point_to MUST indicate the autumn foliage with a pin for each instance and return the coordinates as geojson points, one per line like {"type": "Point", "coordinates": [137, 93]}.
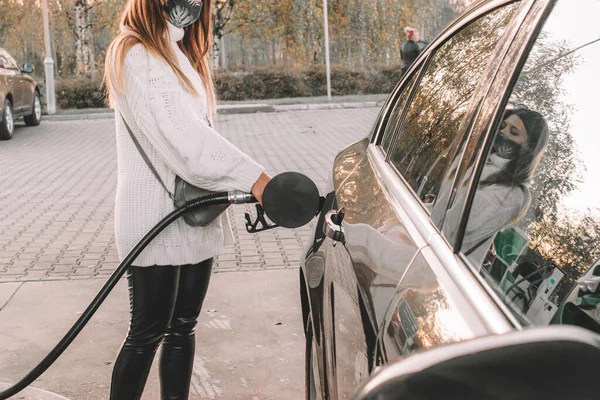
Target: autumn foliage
{"type": "Point", "coordinates": [262, 49]}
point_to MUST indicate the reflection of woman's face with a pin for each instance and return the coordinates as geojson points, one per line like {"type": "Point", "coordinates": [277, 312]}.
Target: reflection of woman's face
{"type": "Point", "coordinates": [514, 129]}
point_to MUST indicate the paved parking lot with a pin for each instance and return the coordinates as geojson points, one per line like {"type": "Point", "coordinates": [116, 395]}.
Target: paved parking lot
{"type": "Point", "coordinates": [58, 184]}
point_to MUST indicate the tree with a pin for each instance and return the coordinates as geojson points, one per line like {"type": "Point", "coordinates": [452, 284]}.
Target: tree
{"type": "Point", "coordinates": [290, 32]}
{"type": "Point", "coordinates": [272, 28]}
{"type": "Point", "coordinates": [20, 33]}
{"type": "Point", "coordinates": [569, 240]}
{"type": "Point", "coordinates": [7, 17]}
{"type": "Point", "coordinates": [540, 87]}
{"type": "Point", "coordinates": [78, 15]}
{"type": "Point", "coordinates": [222, 12]}
{"type": "Point", "coordinates": [105, 25]}
{"type": "Point", "coordinates": [557, 234]}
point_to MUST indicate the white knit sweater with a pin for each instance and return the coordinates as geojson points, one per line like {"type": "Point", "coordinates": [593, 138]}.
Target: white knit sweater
{"type": "Point", "coordinates": [171, 126]}
{"type": "Point", "coordinates": [494, 208]}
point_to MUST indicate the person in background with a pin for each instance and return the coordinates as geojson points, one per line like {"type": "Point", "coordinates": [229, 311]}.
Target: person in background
{"type": "Point", "coordinates": [410, 49]}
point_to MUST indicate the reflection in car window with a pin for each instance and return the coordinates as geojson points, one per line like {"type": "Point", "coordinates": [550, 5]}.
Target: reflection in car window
{"type": "Point", "coordinates": [396, 113]}
{"type": "Point", "coordinates": [6, 61]}
{"type": "Point", "coordinates": [433, 120]}
{"type": "Point", "coordinates": [12, 63]}
{"type": "Point", "coordinates": [540, 235]}
{"type": "Point", "coordinates": [422, 315]}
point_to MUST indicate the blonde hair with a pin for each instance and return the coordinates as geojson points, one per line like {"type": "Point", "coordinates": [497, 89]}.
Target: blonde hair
{"type": "Point", "coordinates": [143, 21]}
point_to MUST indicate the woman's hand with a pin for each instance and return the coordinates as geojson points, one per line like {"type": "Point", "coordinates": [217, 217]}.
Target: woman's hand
{"type": "Point", "coordinates": [259, 186]}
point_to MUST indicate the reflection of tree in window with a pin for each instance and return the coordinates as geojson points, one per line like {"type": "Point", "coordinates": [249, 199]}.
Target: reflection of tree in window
{"type": "Point", "coordinates": [567, 237]}
{"type": "Point", "coordinates": [561, 168]}
{"type": "Point", "coordinates": [435, 115]}
{"type": "Point", "coordinates": [437, 321]}
{"type": "Point", "coordinates": [396, 113]}
{"type": "Point", "coordinates": [3, 61]}
{"type": "Point", "coordinates": [362, 200]}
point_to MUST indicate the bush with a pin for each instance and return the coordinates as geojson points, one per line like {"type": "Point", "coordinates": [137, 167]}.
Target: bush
{"type": "Point", "coordinates": [277, 82]}
{"type": "Point", "coordinates": [344, 81]}
{"type": "Point", "coordinates": [272, 83]}
{"type": "Point", "coordinates": [80, 92]}
{"type": "Point", "coordinates": [229, 86]}
{"type": "Point", "coordinates": [384, 79]}
{"type": "Point", "coordinates": [347, 81]}
{"type": "Point", "coordinates": [258, 84]}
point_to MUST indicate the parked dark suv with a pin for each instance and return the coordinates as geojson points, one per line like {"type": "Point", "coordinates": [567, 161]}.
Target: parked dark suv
{"type": "Point", "coordinates": [472, 208]}
{"type": "Point", "coordinates": [19, 95]}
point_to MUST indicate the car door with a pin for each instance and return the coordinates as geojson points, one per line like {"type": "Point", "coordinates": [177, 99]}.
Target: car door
{"type": "Point", "coordinates": [430, 305]}
{"type": "Point", "coordinates": [10, 75]}
{"type": "Point", "coordinates": [363, 269]}
{"type": "Point", "coordinates": [386, 226]}
{"type": "Point", "coordinates": [23, 92]}
{"type": "Point", "coordinates": [355, 288]}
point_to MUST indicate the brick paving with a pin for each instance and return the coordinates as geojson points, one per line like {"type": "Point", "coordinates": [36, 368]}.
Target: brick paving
{"type": "Point", "coordinates": [58, 181]}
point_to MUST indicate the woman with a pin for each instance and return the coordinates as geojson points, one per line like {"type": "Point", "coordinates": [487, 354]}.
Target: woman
{"type": "Point", "coordinates": [503, 197]}
{"type": "Point", "coordinates": [159, 82]}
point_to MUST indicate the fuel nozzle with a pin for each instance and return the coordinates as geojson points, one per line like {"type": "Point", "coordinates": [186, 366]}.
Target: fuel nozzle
{"type": "Point", "coordinates": [290, 200]}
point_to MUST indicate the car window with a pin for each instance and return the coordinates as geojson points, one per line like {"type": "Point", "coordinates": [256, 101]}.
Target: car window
{"type": "Point", "coordinates": [6, 61]}
{"type": "Point", "coordinates": [13, 64]}
{"type": "Point", "coordinates": [396, 113]}
{"type": "Point", "coordinates": [434, 116]}
{"type": "Point", "coordinates": [533, 231]}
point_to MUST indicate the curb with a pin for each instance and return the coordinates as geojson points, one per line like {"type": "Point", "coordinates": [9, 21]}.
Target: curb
{"type": "Point", "coordinates": [232, 109]}
{"type": "Point", "coordinates": [35, 393]}
{"type": "Point", "coordinates": [76, 117]}
{"type": "Point", "coordinates": [244, 108]}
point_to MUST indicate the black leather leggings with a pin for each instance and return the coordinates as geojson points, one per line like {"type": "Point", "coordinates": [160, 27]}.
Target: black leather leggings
{"type": "Point", "coordinates": [165, 302]}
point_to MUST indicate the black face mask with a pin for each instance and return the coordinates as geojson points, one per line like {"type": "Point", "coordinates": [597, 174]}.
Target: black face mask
{"type": "Point", "coordinates": [506, 148]}
{"type": "Point", "coordinates": [183, 13]}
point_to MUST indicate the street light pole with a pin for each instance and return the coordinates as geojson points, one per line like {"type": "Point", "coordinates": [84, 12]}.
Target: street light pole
{"type": "Point", "coordinates": [48, 63]}
{"type": "Point", "coordinates": [327, 66]}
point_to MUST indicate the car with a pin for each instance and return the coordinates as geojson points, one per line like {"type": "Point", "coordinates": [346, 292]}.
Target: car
{"type": "Point", "coordinates": [19, 95]}
{"type": "Point", "coordinates": [471, 210]}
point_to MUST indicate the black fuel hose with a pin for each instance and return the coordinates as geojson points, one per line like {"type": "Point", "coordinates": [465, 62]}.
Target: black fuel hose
{"type": "Point", "coordinates": [290, 200]}
{"type": "Point", "coordinates": [212, 199]}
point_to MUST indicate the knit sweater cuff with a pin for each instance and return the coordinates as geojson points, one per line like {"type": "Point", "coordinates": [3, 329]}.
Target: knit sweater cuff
{"type": "Point", "coordinates": [246, 175]}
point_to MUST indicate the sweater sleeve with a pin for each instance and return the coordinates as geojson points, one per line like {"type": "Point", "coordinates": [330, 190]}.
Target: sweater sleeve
{"type": "Point", "coordinates": [493, 209]}
{"type": "Point", "coordinates": [187, 144]}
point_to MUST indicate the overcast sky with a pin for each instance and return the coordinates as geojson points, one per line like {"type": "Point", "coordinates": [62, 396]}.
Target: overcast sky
{"type": "Point", "coordinates": [582, 90]}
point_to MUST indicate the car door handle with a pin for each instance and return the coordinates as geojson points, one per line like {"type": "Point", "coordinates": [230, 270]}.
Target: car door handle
{"type": "Point", "coordinates": [332, 228]}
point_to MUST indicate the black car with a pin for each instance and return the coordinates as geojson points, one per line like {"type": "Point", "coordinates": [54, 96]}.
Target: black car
{"type": "Point", "coordinates": [471, 209]}
{"type": "Point", "coordinates": [19, 96]}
